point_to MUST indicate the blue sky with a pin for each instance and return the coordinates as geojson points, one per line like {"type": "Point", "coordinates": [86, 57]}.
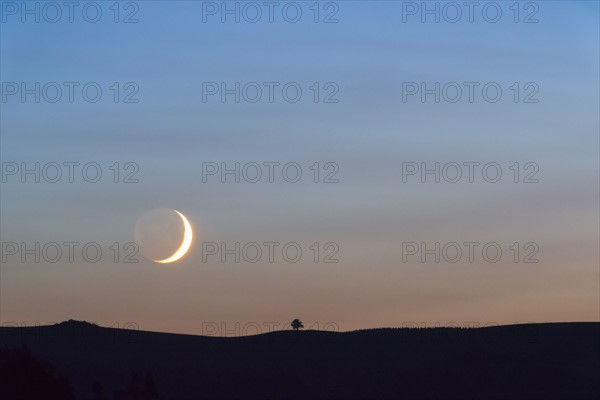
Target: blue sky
{"type": "Point", "coordinates": [369, 133]}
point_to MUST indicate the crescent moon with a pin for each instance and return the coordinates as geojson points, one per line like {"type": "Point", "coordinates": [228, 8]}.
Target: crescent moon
{"type": "Point", "coordinates": [188, 235]}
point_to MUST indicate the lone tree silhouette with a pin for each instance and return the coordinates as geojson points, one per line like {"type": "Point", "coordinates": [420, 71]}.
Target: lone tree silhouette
{"type": "Point", "coordinates": [297, 324]}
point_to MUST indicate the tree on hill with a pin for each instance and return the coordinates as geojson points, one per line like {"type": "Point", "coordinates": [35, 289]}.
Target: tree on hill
{"type": "Point", "coordinates": [138, 390]}
{"type": "Point", "coordinates": [149, 391]}
{"type": "Point", "coordinates": [297, 324]}
{"type": "Point", "coordinates": [22, 376]}
{"type": "Point", "coordinates": [98, 392]}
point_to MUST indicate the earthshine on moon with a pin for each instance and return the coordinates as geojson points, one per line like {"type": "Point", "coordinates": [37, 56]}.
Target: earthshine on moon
{"type": "Point", "coordinates": [185, 244]}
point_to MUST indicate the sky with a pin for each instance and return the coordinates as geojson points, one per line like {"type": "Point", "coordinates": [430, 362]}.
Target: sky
{"type": "Point", "coordinates": [369, 225]}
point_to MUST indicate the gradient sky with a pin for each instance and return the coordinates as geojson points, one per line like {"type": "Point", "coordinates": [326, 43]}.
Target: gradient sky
{"type": "Point", "coordinates": [369, 133]}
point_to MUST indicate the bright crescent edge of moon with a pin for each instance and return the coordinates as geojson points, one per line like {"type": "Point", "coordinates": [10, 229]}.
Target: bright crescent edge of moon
{"type": "Point", "coordinates": [188, 235]}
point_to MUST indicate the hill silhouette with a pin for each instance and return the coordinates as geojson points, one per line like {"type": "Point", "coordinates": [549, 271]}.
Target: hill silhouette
{"type": "Point", "coordinates": [534, 361]}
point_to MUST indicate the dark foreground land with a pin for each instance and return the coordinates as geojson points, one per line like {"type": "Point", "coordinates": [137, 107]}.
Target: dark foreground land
{"type": "Point", "coordinates": [538, 361]}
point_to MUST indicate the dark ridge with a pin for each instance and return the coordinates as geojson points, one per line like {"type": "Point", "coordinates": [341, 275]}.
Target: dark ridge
{"type": "Point", "coordinates": [532, 361]}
